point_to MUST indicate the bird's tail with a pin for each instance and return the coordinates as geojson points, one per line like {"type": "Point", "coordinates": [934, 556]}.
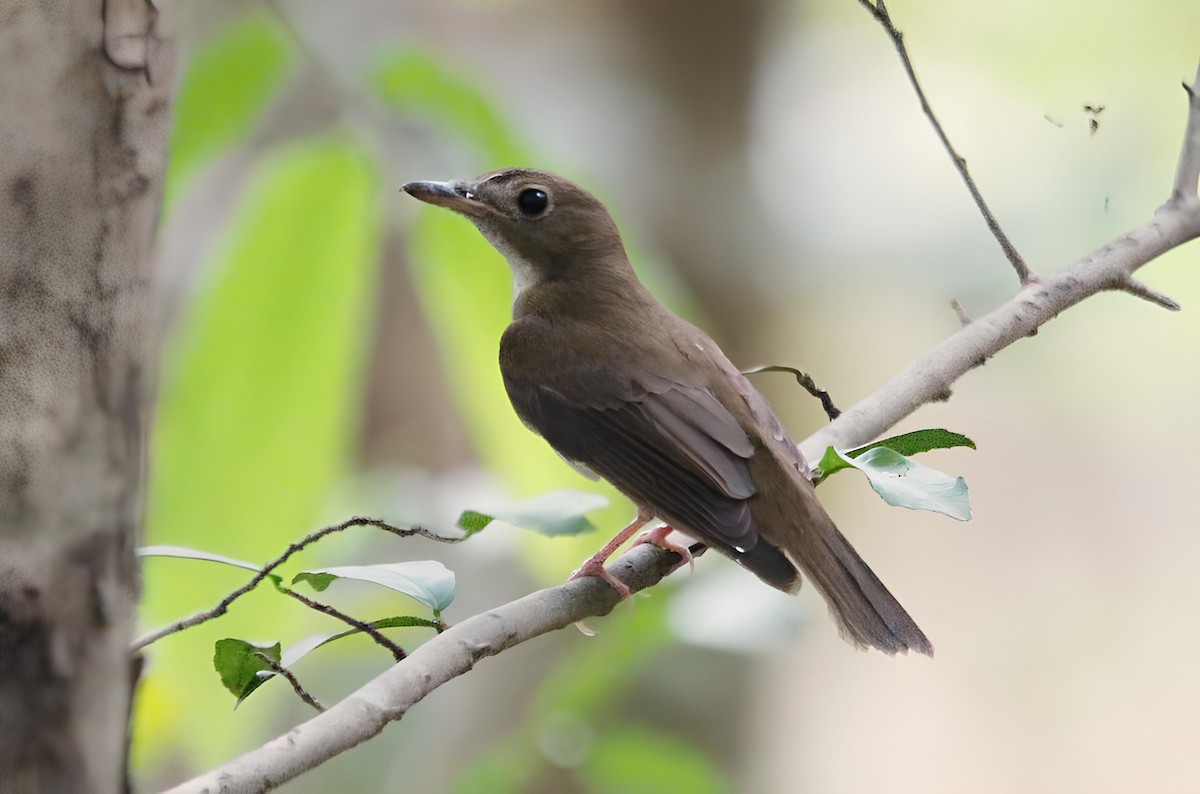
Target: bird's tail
{"type": "Point", "coordinates": [868, 615]}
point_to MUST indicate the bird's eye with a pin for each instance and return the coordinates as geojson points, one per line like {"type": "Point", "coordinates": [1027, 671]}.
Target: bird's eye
{"type": "Point", "coordinates": [532, 201]}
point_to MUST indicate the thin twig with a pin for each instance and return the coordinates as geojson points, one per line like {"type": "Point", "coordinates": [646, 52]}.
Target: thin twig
{"type": "Point", "coordinates": [1145, 292]}
{"type": "Point", "coordinates": [362, 626]}
{"type": "Point", "coordinates": [960, 312]}
{"type": "Point", "coordinates": [1110, 267]}
{"type": "Point", "coordinates": [446, 656]}
{"type": "Point", "coordinates": [880, 12]}
{"type": "Point", "coordinates": [223, 606]}
{"type": "Point", "coordinates": [1187, 173]}
{"type": "Point", "coordinates": [279, 669]}
{"type": "Point", "coordinates": [805, 380]}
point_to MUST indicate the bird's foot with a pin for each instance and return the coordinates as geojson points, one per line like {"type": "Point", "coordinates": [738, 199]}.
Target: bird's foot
{"type": "Point", "coordinates": [660, 536]}
{"type": "Point", "coordinates": [594, 566]}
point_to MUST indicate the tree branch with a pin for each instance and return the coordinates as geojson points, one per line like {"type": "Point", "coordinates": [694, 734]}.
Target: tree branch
{"type": "Point", "coordinates": [880, 12]}
{"type": "Point", "coordinates": [1110, 267]}
{"type": "Point", "coordinates": [455, 651]}
{"type": "Point", "coordinates": [223, 605]}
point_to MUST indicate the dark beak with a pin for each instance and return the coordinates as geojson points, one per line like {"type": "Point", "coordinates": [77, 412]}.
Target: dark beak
{"type": "Point", "coordinates": [456, 196]}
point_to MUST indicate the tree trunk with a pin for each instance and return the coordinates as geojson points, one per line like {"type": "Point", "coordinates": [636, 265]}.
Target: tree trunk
{"type": "Point", "coordinates": [85, 92]}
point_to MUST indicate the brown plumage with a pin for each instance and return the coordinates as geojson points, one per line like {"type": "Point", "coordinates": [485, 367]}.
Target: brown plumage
{"type": "Point", "coordinates": [616, 383]}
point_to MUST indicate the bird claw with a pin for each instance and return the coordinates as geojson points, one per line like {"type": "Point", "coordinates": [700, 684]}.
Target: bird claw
{"type": "Point", "coordinates": [595, 567]}
{"type": "Point", "coordinates": [658, 536]}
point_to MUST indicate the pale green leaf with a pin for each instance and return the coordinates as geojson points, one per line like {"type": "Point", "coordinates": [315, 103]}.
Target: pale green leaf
{"type": "Point", "coordinates": [228, 83]}
{"type": "Point", "coordinates": [905, 483]}
{"type": "Point", "coordinates": [427, 581]}
{"type": "Point", "coordinates": [561, 512]}
{"type": "Point", "coordinates": [182, 552]}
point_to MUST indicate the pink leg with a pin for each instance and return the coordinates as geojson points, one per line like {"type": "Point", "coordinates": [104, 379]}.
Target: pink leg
{"type": "Point", "coordinates": [594, 565]}
{"type": "Point", "coordinates": [658, 536]}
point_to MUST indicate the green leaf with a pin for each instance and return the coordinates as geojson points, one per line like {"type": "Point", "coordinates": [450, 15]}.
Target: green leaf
{"type": "Point", "coordinates": [917, 442]}
{"type": "Point", "coordinates": [309, 644]}
{"type": "Point", "coordinates": [559, 512]}
{"type": "Point", "coordinates": [427, 581]}
{"type": "Point", "coordinates": [635, 760]}
{"type": "Point", "coordinates": [259, 406]}
{"type": "Point", "coordinates": [228, 83]}
{"type": "Point", "coordinates": [801, 377]}
{"type": "Point", "coordinates": [238, 665]}
{"type": "Point", "coordinates": [471, 522]}
{"type": "Point", "coordinates": [426, 88]}
{"type": "Point", "coordinates": [193, 554]}
{"type": "Point", "coordinates": [832, 461]}
{"type": "Point", "coordinates": [906, 483]}
{"type": "Point", "coordinates": [260, 394]}
{"type": "Point", "coordinates": [240, 660]}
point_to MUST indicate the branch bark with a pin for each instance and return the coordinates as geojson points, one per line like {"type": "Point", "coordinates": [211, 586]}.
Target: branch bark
{"type": "Point", "coordinates": [448, 655]}
{"type": "Point", "coordinates": [84, 130]}
{"type": "Point", "coordinates": [1110, 267]}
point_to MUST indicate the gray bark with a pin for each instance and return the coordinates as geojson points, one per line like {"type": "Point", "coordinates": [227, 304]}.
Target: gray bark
{"type": "Point", "coordinates": [84, 118]}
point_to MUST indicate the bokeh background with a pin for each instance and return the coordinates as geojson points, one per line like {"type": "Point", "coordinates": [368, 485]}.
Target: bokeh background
{"type": "Point", "coordinates": [330, 346]}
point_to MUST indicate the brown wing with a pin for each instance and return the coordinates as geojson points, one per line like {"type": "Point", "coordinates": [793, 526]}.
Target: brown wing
{"type": "Point", "coordinates": [670, 447]}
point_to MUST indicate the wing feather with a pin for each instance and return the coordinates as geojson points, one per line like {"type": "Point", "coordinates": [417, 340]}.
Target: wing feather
{"type": "Point", "coordinates": [678, 451]}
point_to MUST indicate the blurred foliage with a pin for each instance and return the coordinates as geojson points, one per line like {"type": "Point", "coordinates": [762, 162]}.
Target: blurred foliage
{"type": "Point", "coordinates": [227, 85]}
{"type": "Point", "coordinates": [258, 396]}
{"type": "Point", "coordinates": [260, 393]}
{"type": "Point", "coordinates": [415, 84]}
{"type": "Point", "coordinates": [577, 728]}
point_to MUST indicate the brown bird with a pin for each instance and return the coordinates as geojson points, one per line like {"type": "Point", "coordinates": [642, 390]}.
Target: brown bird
{"type": "Point", "coordinates": [622, 387]}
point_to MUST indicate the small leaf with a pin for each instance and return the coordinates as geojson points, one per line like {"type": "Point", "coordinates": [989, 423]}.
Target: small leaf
{"type": "Point", "coordinates": [309, 644]}
{"type": "Point", "coordinates": [472, 522]}
{"type": "Point", "coordinates": [831, 462]}
{"type": "Point", "coordinates": [427, 581]}
{"type": "Point", "coordinates": [917, 442]}
{"type": "Point", "coordinates": [906, 483]}
{"type": "Point", "coordinates": [801, 377]}
{"type": "Point", "coordinates": [427, 88]}
{"type": "Point", "coordinates": [183, 552]}
{"type": "Point", "coordinates": [238, 665]}
{"type": "Point", "coordinates": [555, 513]}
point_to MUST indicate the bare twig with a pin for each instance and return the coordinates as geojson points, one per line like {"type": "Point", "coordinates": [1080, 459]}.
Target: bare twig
{"type": "Point", "coordinates": [880, 12]}
{"type": "Point", "coordinates": [223, 606]}
{"type": "Point", "coordinates": [300, 691]}
{"type": "Point", "coordinates": [362, 626]}
{"type": "Point", "coordinates": [1187, 173]}
{"type": "Point", "coordinates": [1140, 290]}
{"type": "Point", "coordinates": [1110, 267]}
{"type": "Point", "coordinates": [448, 655]}
{"type": "Point", "coordinates": [960, 312]}
{"type": "Point", "coordinates": [805, 380]}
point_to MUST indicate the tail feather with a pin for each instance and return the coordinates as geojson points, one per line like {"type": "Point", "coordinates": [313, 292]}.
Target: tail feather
{"type": "Point", "coordinates": [868, 615]}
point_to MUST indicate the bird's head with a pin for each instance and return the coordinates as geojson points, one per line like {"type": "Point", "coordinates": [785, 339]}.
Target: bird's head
{"type": "Point", "coordinates": [545, 226]}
